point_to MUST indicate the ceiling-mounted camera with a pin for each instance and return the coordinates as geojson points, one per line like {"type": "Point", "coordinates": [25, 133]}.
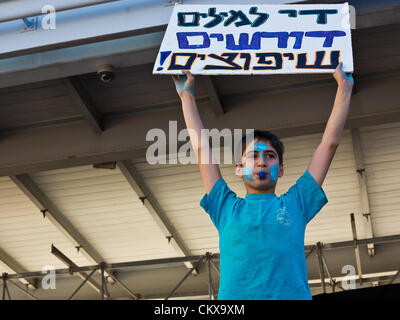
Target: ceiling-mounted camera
{"type": "Point", "coordinates": [106, 73]}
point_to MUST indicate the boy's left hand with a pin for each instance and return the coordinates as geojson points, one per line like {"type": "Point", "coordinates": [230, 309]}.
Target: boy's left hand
{"type": "Point", "coordinates": [344, 80]}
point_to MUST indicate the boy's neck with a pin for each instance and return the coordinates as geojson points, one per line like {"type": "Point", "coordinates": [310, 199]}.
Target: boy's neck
{"type": "Point", "coordinates": [257, 191]}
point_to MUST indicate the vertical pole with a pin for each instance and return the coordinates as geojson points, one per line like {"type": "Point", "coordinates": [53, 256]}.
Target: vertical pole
{"type": "Point", "coordinates": [4, 275]}
{"type": "Point", "coordinates": [321, 267]}
{"type": "Point", "coordinates": [210, 287]}
{"type": "Point", "coordinates": [215, 267]}
{"type": "Point", "coordinates": [356, 249]}
{"type": "Point", "coordinates": [107, 293]}
{"type": "Point", "coordinates": [102, 280]}
{"type": "Point", "coordinates": [358, 154]}
{"type": "Point", "coordinates": [8, 292]}
{"type": "Point", "coordinates": [332, 282]}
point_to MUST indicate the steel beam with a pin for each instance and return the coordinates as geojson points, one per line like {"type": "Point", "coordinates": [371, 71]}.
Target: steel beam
{"type": "Point", "coordinates": [367, 278]}
{"type": "Point", "coordinates": [210, 283]}
{"type": "Point", "coordinates": [149, 201]}
{"type": "Point", "coordinates": [68, 262]}
{"type": "Point", "coordinates": [306, 85]}
{"type": "Point", "coordinates": [127, 18]}
{"type": "Point", "coordinates": [16, 267]}
{"type": "Point", "coordinates": [356, 248]}
{"type": "Point", "coordinates": [115, 266]}
{"type": "Point", "coordinates": [165, 262]}
{"type": "Point", "coordinates": [83, 102]}
{"type": "Point", "coordinates": [75, 144]}
{"type": "Point", "coordinates": [213, 94]}
{"type": "Point", "coordinates": [215, 268]}
{"type": "Point", "coordinates": [5, 287]}
{"type": "Point", "coordinates": [321, 266]}
{"type": "Point", "coordinates": [355, 135]}
{"type": "Point", "coordinates": [332, 281]}
{"type": "Point", "coordinates": [30, 295]}
{"type": "Point", "coordinates": [14, 10]}
{"type": "Point", "coordinates": [121, 53]}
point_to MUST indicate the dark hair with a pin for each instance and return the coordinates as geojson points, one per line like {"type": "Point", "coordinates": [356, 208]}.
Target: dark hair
{"type": "Point", "coordinates": [266, 135]}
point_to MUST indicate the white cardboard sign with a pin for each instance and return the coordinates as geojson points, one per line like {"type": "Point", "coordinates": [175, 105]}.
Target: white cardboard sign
{"type": "Point", "coordinates": [256, 39]}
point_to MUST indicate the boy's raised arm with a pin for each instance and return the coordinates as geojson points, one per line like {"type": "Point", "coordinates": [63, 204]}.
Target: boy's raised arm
{"type": "Point", "coordinates": [323, 155]}
{"type": "Point", "coordinates": [209, 171]}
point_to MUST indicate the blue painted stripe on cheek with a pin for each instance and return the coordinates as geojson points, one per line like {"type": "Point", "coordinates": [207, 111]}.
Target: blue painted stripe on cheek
{"type": "Point", "coordinates": [274, 172]}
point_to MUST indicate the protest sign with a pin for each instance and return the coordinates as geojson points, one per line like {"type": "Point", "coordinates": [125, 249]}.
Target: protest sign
{"type": "Point", "coordinates": [256, 39]}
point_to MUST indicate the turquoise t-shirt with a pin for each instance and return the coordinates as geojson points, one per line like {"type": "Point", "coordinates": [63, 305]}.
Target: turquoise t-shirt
{"type": "Point", "coordinates": [261, 240]}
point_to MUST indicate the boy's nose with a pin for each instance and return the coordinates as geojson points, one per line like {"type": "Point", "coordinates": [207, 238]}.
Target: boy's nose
{"type": "Point", "coordinates": [262, 161]}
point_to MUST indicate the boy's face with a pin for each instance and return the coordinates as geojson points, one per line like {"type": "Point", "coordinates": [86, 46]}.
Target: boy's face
{"type": "Point", "coordinates": [260, 167]}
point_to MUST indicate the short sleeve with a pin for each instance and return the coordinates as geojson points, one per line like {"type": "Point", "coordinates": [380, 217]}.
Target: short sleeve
{"type": "Point", "coordinates": [219, 203]}
{"type": "Point", "coordinates": [310, 195]}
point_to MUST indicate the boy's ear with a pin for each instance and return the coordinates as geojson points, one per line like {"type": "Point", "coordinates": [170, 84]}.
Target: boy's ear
{"type": "Point", "coordinates": [280, 173]}
{"type": "Point", "coordinates": [239, 170]}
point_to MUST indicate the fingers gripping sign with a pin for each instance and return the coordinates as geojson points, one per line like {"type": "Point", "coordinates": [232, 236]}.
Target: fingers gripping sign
{"type": "Point", "coordinates": [343, 79]}
{"type": "Point", "coordinates": [184, 83]}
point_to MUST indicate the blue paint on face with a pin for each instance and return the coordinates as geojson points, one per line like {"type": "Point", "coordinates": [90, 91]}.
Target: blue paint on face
{"type": "Point", "coordinates": [262, 175]}
{"type": "Point", "coordinates": [247, 172]}
{"type": "Point", "coordinates": [259, 147]}
{"type": "Point", "coordinates": [274, 172]}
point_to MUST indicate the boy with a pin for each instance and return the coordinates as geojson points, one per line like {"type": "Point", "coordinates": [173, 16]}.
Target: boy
{"type": "Point", "coordinates": [261, 237]}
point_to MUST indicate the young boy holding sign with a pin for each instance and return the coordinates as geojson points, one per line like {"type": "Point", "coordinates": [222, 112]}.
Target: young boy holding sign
{"type": "Point", "coordinates": [262, 236]}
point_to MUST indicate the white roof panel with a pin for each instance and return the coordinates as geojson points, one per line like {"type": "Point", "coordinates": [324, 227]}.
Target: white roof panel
{"type": "Point", "coordinates": [26, 236]}
{"type": "Point", "coordinates": [104, 208]}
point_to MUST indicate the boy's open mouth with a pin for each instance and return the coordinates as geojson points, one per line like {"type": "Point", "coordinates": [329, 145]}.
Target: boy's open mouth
{"type": "Point", "coordinates": [262, 175]}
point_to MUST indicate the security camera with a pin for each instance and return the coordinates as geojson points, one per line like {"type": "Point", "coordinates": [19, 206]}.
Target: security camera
{"type": "Point", "coordinates": [106, 73]}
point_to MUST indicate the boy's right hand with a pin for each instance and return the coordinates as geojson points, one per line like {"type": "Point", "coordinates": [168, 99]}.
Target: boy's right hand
{"type": "Point", "coordinates": [184, 83]}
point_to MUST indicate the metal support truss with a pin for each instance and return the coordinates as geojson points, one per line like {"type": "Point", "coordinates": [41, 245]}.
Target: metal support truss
{"type": "Point", "coordinates": [366, 210]}
{"type": "Point", "coordinates": [323, 267]}
{"type": "Point", "coordinates": [197, 260]}
{"type": "Point", "coordinates": [209, 257]}
{"type": "Point", "coordinates": [5, 287]}
{"type": "Point", "coordinates": [30, 295]}
{"type": "Point", "coordinates": [68, 262]}
{"type": "Point", "coordinates": [83, 283]}
{"type": "Point", "coordinates": [185, 277]}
